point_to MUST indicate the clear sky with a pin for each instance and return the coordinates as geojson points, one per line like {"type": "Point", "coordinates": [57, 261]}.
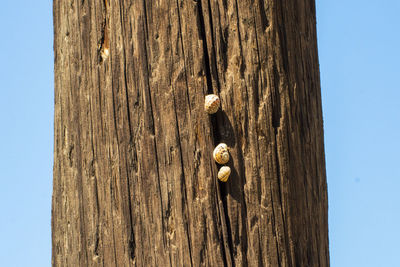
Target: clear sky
{"type": "Point", "coordinates": [359, 44]}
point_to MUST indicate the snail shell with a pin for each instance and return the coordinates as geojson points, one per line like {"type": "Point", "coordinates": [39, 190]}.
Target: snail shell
{"type": "Point", "coordinates": [224, 173]}
{"type": "Point", "coordinates": [211, 104]}
{"type": "Point", "coordinates": [221, 154]}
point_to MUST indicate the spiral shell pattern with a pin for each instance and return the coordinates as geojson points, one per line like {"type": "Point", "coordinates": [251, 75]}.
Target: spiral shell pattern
{"type": "Point", "coordinates": [211, 104]}
{"type": "Point", "coordinates": [224, 173]}
{"type": "Point", "coordinates": [221, 154]}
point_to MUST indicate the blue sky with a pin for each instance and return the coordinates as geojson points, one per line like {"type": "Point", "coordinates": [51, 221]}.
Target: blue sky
{"type": "Point", "coordinates": [359, 45]}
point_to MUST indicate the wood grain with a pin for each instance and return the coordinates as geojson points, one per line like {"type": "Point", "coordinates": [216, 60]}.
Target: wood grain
{"type": "Point", "coordinates": [135, 183]}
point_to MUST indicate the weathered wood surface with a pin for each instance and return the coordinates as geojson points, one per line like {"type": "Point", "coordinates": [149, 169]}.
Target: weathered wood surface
{"type": "Point", "coordinates": [134, 179]}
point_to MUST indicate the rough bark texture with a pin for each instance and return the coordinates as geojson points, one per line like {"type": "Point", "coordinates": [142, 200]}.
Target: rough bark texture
{"type": "Point", "coordinates": [134, 179]}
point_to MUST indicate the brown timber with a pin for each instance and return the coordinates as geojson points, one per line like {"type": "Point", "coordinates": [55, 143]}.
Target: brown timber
{"type": "Point", "coordinates": [135, 183]}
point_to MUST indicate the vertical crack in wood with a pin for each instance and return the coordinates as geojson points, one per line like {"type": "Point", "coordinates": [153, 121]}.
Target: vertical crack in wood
{"type": "Point", "coordinates": [260, 70]}
{"type": "Point", "coordinates": [223, 194]}
{"type": "Point", "coordinates": [105, 40]}
{"type": "Point", "coordinates": [96, 189]}
{"type": "Point", "coordinates": [146, 25]}
{"type": "Point", "coordinates": [205, 49]}
{"type": "Point", "coordinates": [276, 125]}
{"type": "Point", "coordinates": [275, 230]}
{"type": "Point", "coordinates": [183, 182]}
{"type": "Point", "coordinates": [131, 242]}
{"type": "Point", "coordinates": [242, 64]}
{"type": "Point", "coordinates": [96, 242]}
{"type": "Point", "coordinates": [213, 63]}
{"type": "Point", "coordinates": [183, 53]}
{"type": "Point", "coordinates": [220, 209]}
{"type": "Point", "coordinates": [282, 36]}
{"type": "Point", "coordinates": [221, 188]}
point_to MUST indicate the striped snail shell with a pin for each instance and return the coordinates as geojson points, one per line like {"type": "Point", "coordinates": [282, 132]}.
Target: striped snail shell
{"type": "Point", "coordinates": [221, 154]}
{"type": "Point", "coordinates": [224, 173]}
{"type": "Point", "coordinates": [211, 104]}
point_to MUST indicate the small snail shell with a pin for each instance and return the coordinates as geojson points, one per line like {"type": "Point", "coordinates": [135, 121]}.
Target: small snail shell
{"type": "Point", "coordinates": [224, 173]}
{"type": "Point", "coordinates": [211, 104]}
{"type": "Point", "coordinates": [221, 154]}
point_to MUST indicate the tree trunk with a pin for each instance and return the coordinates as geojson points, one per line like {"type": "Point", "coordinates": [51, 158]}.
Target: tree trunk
{"type": "Point", "coordinates": [135, 183]}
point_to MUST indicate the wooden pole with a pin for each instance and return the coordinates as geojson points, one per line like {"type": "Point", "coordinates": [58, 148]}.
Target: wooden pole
{"type": "Point", "coordinates": [135, 183]}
